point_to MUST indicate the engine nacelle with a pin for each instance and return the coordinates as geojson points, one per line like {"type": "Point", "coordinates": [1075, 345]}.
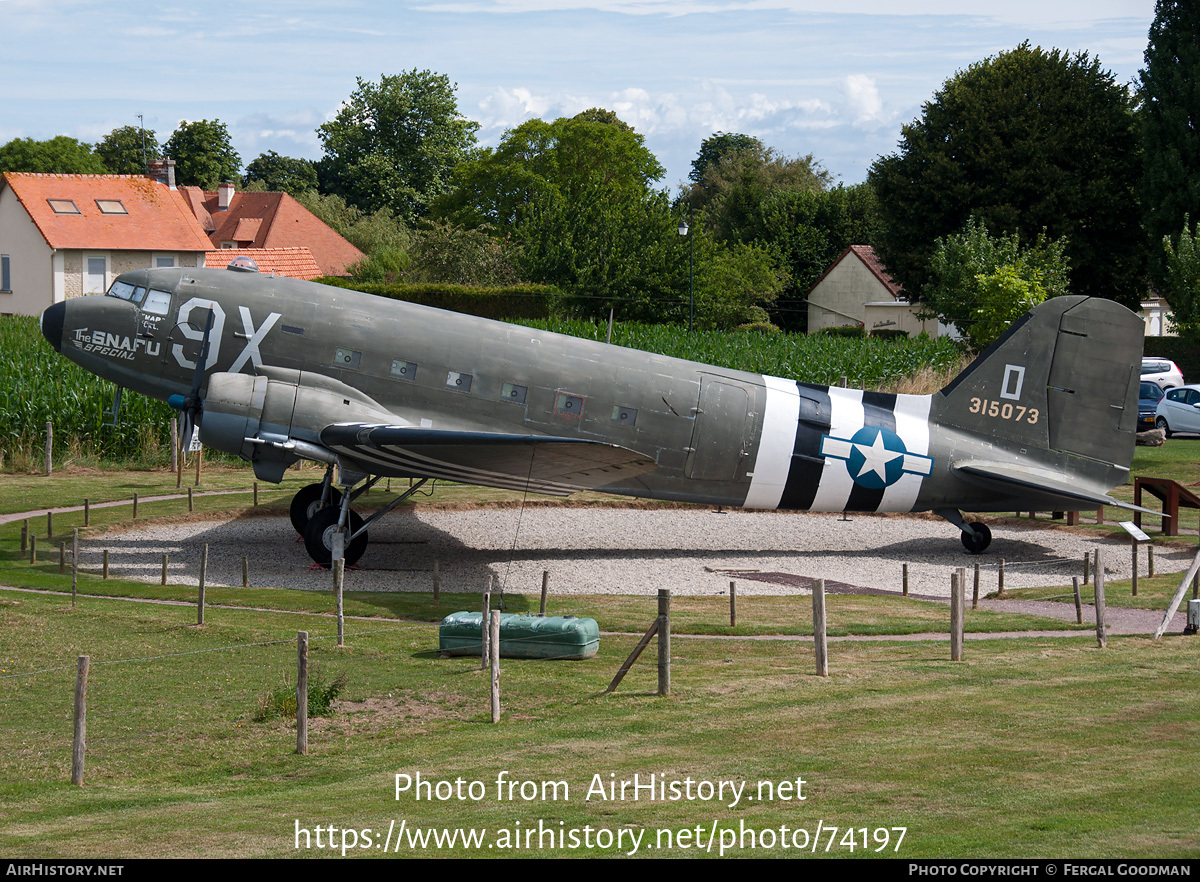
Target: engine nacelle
{"type": "Point", "coordinates": [275, 418]}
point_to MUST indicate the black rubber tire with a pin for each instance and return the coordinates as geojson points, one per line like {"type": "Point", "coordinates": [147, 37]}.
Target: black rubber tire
{"type": "Point", "coordinates": [978, 541]}
{"type": "Point", "coordinates": [1161, 423]}
{"type": "Point", "coordinates": [306, 502]}
{"type": "Point", "coordinates": [318, 538]}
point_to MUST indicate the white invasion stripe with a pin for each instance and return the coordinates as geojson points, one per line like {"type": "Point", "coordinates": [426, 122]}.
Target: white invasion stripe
{"type": "Point", "coordinates": [912, 425]}
{"type": "Point", "coordinates": [846, 418]}
{"type": "Point", "coordinates": [780, 417]}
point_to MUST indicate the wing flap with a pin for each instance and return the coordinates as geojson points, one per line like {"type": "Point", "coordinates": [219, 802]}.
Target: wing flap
{"type": "Point", "coordinates": [1043, 480]}
{"type": "Point", "coordinates": [540, 463]}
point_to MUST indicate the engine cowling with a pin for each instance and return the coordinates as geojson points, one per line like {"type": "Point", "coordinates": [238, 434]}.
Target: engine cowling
{"type": "Point", "coordinates": [274, 418]}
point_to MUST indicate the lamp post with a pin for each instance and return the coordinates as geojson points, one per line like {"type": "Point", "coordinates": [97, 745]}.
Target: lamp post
{"type": "Point", "coordinates": [683, 231]}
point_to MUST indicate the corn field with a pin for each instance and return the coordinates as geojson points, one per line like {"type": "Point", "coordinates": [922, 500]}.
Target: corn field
{"type": "Point", "coordinates": [867, 362]}
{"type": "Point", "coordinates": [37, 384]}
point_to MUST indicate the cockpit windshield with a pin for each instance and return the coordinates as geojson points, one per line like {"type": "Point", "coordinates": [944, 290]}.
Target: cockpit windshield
{"type": "Point", "coordinates": [158, 302]}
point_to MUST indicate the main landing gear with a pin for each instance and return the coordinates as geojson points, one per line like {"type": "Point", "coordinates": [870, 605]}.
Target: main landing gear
{"type": "Point", "coordinates": [321, 515]}
{"type": "Point", "coordinates": [975, 536]}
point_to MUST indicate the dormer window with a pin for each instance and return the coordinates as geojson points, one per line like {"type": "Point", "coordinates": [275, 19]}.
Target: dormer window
{"type": "Point", "coordinates": [63, 206]}
{"type": "Point", "coordinates": [111, 206]}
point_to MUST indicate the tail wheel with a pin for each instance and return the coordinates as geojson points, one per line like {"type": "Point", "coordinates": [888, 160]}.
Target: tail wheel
{"type": "Point", "coordinates": [318, 537]}
{"type": "Point", "coordinates": [307, 501]}
{"type": "Point", "coordinates": [976, 542]}
{"type": "Point", "coordinates": [1161, 423]}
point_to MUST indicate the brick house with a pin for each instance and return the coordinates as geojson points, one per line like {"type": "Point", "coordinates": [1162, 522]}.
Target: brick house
{"type": "Point", "coordinates": [856, 289]}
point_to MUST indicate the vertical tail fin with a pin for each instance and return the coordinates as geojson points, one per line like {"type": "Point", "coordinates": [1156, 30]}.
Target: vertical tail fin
{"type": "Point", "coordinates": [1063, 379]}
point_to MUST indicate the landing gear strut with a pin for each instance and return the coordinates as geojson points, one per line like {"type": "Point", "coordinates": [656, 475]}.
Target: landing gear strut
{"type": "Point", "coordinates": [975, 536]}
{"type": "Point", "coordinates": [319, 512]}
{"type": "Point", "coordinates": [311, 499]}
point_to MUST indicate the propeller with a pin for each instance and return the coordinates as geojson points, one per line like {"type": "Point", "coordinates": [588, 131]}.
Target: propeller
{"type": "Point", "coordinates": [192, 405]}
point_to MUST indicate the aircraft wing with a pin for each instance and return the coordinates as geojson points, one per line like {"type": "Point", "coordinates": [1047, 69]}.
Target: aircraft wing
{"type": "Point", "coordinates": [540, 463]}
{"type": "Point", "coordinates": [1043, 480]}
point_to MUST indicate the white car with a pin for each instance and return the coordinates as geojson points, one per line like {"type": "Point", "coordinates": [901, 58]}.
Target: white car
{"type": "Point", "coordinates": [1179, 410]}
{"type": "Point", "coordinates": [1162, 371]}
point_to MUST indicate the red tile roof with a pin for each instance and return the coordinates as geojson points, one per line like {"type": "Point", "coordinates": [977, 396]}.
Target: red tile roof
{"type": "Point", "coordinates": [272, 220]}
{"type": "Point", "coordinates": [295, 263]}
{"type": "Point", "coordinates": [156, 218]}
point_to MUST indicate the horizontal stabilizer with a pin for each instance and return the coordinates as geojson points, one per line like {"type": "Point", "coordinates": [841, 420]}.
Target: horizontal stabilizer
{"type": "Point", "coordinates": [1047, 481]}
{"type": "Point", "coordinates": [540, 463]}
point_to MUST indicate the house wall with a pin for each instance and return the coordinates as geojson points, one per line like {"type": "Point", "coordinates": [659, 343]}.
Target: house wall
{"type": "Point", "coordinates": [898, 316]}
{"type": "Point", "coordinates": [841, 297]}
{"type": "Point", "coordinates": [30, 259]}
{"type": "Point", "coordinates": [75, 262]}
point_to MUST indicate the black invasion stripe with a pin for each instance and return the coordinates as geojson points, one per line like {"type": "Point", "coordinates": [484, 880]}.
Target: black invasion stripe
{"type": "Point", "coordinates": [804, 474]}
{"type": "Point", "coordinates": [879, 409]}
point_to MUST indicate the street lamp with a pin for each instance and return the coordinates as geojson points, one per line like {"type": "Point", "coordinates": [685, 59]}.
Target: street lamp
{"type": "Point", "coordinates": [683, 231]}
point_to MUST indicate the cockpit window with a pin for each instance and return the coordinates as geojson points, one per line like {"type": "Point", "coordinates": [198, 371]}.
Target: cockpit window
{"type": "Point", "coordinates": [157, 302]}
{"type": "Point", "coordinates": [124, 290]}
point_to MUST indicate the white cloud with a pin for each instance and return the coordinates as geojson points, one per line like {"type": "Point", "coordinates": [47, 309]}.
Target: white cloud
{"type": "Point", "coordinates": [862, 96]}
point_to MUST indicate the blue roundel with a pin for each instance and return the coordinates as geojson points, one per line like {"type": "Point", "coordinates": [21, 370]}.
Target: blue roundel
{"type": "Point", "coordinates": [876, 457]}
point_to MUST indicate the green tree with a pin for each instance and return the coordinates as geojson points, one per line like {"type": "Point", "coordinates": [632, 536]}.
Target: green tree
{"type": "Point", "coordinates": [445, 253]}
{"type": "Point", "coordinates": [284, 174]}
{"type": "Point", "coordinates": [59, 155]}
{"type": "Point", "coordinates": [128, 150]}
{"type": "Point", "coordinates": [717, 147]}
{"type": "Point", "coordinates": [1181, 280]}
{"type": "Point", "coordinates": [379, 235]}
{"type": "Point", "coordinates": [1170, 118]}
{"type": "Point", "coordinates": [394, 143]}
{"type": "Point", "coordinates": [203, 154]}
{"type": "Point", "coordinates": [1025, 141]}
{"type": "Point", "coordinates": [981, 283]}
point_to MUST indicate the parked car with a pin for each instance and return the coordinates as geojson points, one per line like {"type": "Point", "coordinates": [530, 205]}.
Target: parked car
{"type": "Point", "coordinates": [1162, 371]}
{"type": "Point", "coordinates": [1179, 410]}
{"type": "Point", "coordinates": [1149, 394]}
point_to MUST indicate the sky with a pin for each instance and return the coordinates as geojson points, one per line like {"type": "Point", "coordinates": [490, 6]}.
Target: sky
{"type": "Point", "coordinates": [833, 78]}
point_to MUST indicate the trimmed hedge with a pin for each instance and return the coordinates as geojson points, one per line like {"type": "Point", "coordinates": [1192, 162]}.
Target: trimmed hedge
{"type": "Point", "coordinates": [1182, 351]}
{"type": "Point", "coordinates": [510, 302]}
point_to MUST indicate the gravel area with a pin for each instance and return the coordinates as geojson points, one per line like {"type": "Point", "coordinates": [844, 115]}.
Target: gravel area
{"type": "Point", "coordinates": [623, 551]}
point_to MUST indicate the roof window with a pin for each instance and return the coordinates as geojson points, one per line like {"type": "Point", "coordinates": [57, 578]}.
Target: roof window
{"type": "Point", "coordinates": [111, 206]}
{"type": "Point", "coordinates": [63, 206]}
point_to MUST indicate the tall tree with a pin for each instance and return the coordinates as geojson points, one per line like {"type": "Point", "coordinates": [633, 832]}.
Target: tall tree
{"type": "Point", "coordinates": [1025, 141]}
{"type": "Point", "coordinates": [394, 143]}
{"type": "Point", "coordinates": [203, 154]}
{"type": "Point", "coordinates": [127, 150]}
{"type": "Point", "coordinates": [284, 174]}
{"type": "Point", "coordinates": [59, 155]}
{"type": "Point", "coordinates": [1170, 117]}
{"type": "Point", "coordinates": [717, 147]}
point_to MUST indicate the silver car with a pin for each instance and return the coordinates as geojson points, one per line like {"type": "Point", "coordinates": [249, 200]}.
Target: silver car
{"type": "Point", "coordinates": [1179, 410]}
{"type": "Point", "coordinates": [1162, 371]}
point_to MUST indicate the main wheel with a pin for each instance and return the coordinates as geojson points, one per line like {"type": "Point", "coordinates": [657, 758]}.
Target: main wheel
{"type": "Point", "coordinates": [979, 540]}
{"type": "Point", "coordinates": [318, 537]}
{"type": "Point", "coordinates": [307, 501]}
{"type": "Point", "coordinates": [1161, 423]}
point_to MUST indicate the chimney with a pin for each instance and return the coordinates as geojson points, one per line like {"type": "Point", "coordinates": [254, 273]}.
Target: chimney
{"type": "Point", "coordinates": [163, 171]}
{"type": "Point", "coordinates": [224, 195]}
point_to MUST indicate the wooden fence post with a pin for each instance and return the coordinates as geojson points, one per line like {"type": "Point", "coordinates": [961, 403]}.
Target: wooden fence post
{"type": "Point", "coordinates": [32, 549]}
{"type": "Point", "coordinates": [1000, 580]}
{"type": "Point", "coordinates": [819, 644]}
{"type": "Point", "coordinates": [904, 577]}
{"type": "Point", "coordinates": [74, 564]}
{"type": "Point", "coordinates": [1101, 636]}
{"type": "Point", "coordinates": [49, 524]}
{"type": "Point", "coordinates": [24, 536]}
{"type": "Point", "coordinates": [339, 578]}
{"type": "Point", "coordinates": [484, 630]}
{"type": "Point", "coordinates": [957, 598]}
{"type": "Point", "coordinates": [733, 604]}
{"type": "Point", "coordinates": [191, 506]}
{"type": "Point", "coordinates": [245, 571]}
{"type": "Point", "coordinates": [975, 592]}
{"type": "Point", "coordinates": [79, 742]}
{"type": "Point", "coordinates": [1133, 550]}
{"type": "Point", "coordinates": [49, 447]}
{"type": "Point", "coordinates": [62, 555]}
{"type": "Point", "coordinates": [664, 641]}
{"type": "Point", "coordinates": [200, 598]}
{"type": "Point", "coordinates": [164, 571]}
{"type": "Point", "coordinates": [174, 444]}
{"type": "Point", "coordinates": [1078, 601]}
{"type": "Point", "coordinates": [1087, 560]}
{"type": "Point", "coordinates": [494, 652]}
{"type": "Point", "coordinates": [199, 458]}
{"type": "Point", "coordinates": [545, 591]}
{"type": "Point", "coordinates": [256, 493]}
{"type": "Point", "coordinates": [87, 512]}
{"type": "Point", "coordinates": [104, 564]}
{"type": "Point", "coordinates": [302, 692]}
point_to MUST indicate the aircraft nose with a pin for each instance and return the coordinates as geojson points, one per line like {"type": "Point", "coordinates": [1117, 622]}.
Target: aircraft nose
{"type": "Point", "coordinates": [52, 324]}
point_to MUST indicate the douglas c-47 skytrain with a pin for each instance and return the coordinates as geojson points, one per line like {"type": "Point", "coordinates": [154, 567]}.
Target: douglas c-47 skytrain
{"type": "Point", "coordinates": [276, 370]}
